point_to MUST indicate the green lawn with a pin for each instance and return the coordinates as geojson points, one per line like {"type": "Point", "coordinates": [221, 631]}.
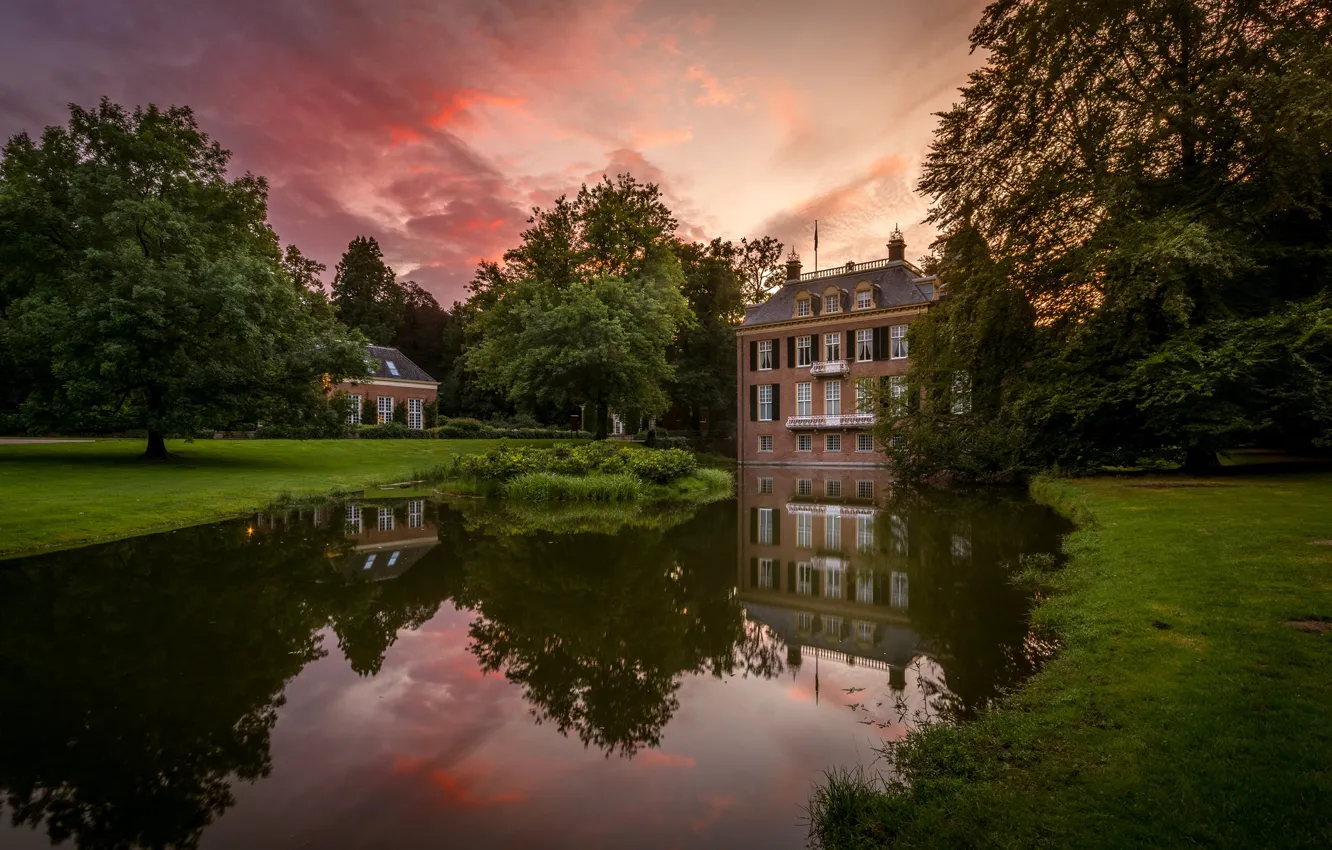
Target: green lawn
{"type": "Point", "coordinates": [72, 493]}
{"type": "Point", "coordinates": [1184, 709]}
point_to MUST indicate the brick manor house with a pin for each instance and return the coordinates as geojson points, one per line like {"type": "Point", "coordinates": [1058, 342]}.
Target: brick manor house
{"type": "Point", "coordinates": [810, 353]}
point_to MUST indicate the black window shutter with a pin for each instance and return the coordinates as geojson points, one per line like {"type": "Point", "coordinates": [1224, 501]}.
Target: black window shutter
{"type": "Point", "coordinates": [878, 343]}
{"type": "Point", "coordinates": [790, 351]}
{"type": "Point", "coordinates": [776, 528]}
{"type": "Point", "coordinates": [777, 353]}
{"type": "Point", "coordinates": [753, 355]}
{"type": "Point", "coordinates": [850, 345]}
{"type": "Point", "coordinates": [790, 576]}
{"type": "Point", "coordinates": [885, 393]}
{"type": "Point", "coordinates": [753, 402]}
{"type": "Point", "coordinates": [776, 402]}
{"type": "Point", "coordinates": [753, 525]}
{"type": "Point", "coordinates": [753, 572]}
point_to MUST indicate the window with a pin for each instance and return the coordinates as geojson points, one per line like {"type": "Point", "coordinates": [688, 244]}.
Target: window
{"type": "Point", "coordinates": [802, 307]}
{"type": "Point", "coordinates": [804, 530]}
{"type": "Point", "coordinates": [865, 587]}
{"type": "Point", "coordinates": [899, 527]}
{"type": "Point", "coordinates": [766, 573]}
{"type": "Point", "coordinates": [805, 584]}
{"type": "Point", "coordinates": [415, 411]}
{"type": "Point", "coordinates": [899, 592]}
{"type": "Point", "coordinates": [765, 354]}
{"type": "Point", "coordinates": [369, 562]}
{"type": "Point", "coordinates": [864, 489]}
{"type": "Point", "coordinates": [386, 519]}
{"type": "Point", "coordinates": [617, 424]}
{"type": "Point", "coordinates": [832, 583]}
{"type": "Point", "coordinates": [353, 410]}
{"type": "Point", "coordinates": [385, 409]}
{"type": "Point", "coordinates": [961, 393]}
{"type": "Point", "coordinates": [961, 547]}
{"type": "Point", "coordinates": [864, 631]}
{"type": "Point", "coordinates": [864, 396]}
{"type": "Point", "coordinates": [765, 485]}
{"type": "Point", "coordinates": [864, 299]}
{"type": "Point", "coordinates": [832, 626]}
{"type": "Point", "coordinates": [832, 302]}
{"type": "Point", "coordinates": [832, 398]}
{"type": "Point", "coordinates": [833, 488]}
{"type": "Point", "coordinates": [416, 513]}
{"type": "Point", "coordinates": [353, 519]}
{"type": "Point", "coordinates": [864, 532]}
{"type": "Point", "coordinates": [805, 443]}
{"type": "Point", "coordinates": [832, 442]}
{"type": "Point", "coordinates": [804, 487]}
{"type": "Point", "coordinates": [392, 367]}
{"type": "Point", "coordinates": [765, 402]}
{"type": "Point", "coordinates": [832, 346]}
{"type": "Point", "coordinates": [897, 336]}
{"type": "Point", "coordinates": [897, 387]}
{"type": "Point", "coordinates": [864, 442]}
{"type": "Point", "coordinates": [765, 525]}
{"type": "Point", "coordinates": [804, 621]}
{"type": "Point", "coordinates": [804, 348]}
{"type": "Point", "coordinates": [803, 394]}
{"type": "Point", "coordinates": [832, 529]}
{"type": "Point", "coordinates": [765, 443]}
{"type": "Point", "coordinates": [865, 345]}
{"type": "Point", "coordinates": [393, 559]}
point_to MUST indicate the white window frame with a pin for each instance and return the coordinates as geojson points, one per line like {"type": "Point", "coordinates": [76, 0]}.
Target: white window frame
{"type": "Point", "coordinates": [865, 587]}
{"type": "Point", "coordinates": [897, 388]}
{"type": "Point", "coordinates": [416, 513]}
{"type": "Point", "coordinates": [864, 345]}
{"type": "Point", "coordinates": [765, 404]}
{"type": "Point", "coordinates": [901, 541]}
{"type": "Point", "coordinates": [804, 396]}
{"type": "Point", "coordinates": [805, 581]}
{"type": "Point", "coordinates": [832, 530]}
{"type": "Point", "coordinates": [804, 530]}
{"type": "Point", "coordinates": [803, 308]}
{"type": "Point", "coordinates": [765, 442]}
{"type": "Point", "coordinates": [832, 346]}
{"type": "Point", "coordinates": [392, 368]}
{"type": "Point", "coordinates": [765, 355]}
{"type": "Point", "coordinates": [864, 395]}
{"type": "Point", "coordinates": [617, 424]}
{"type": "Point", "coordinates": [864, 442]}
{"type": "Point", "coordinates": [353, 519]}
{"type": "Point", "coordinates": [832, 442]}
{"type": "Point", "coordinates": [864, 532]}
{"type": "Point", "coordinates": [897, 342]}
{"type": "Point", "coordinates": [386, 519]}
{"type": "Point", "coordinates": [765, 520]}
{"type": "Point", "coordinates": [864, 299]}
{"type": "Point", "coordinates": [354, 410]}
{"type": "Point", "coordinates": [865, 489]}
{"type": "Point", "coordinates": [901, 584]}
{"type": "Point", "coordinates": [416, 414]}
{"type": "Point", "coordinates": [804, 442]}
{"type": "Point", "coordinates": [832, 303]}
{"type": "Point", "coordinates": [767, 575]}
{"type": "Point", "coordinates": [804, 486]}
{"type": "Point", "coordinates": [804, 351]}
{"type": "Point", "coordinates": [832, 625]}
{"type": "Point", "coordinates": [864, 631]}
{"type": "Point", "coordinates": [765, 485]}
{"type": "Point", "coordinates": [832, 488]}
{"type": "Point", "coordinates": [832, 398]}
{"type": "Point", "coordinates": [832, 589]}
{"type": "Point", "coordinates": [380, 409]}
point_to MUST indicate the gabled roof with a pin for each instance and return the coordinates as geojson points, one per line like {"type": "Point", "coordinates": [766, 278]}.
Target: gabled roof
{"type": "Point", "coordinates": [896, 284]}
{"type": "Point", "coordinates": [406, 369]}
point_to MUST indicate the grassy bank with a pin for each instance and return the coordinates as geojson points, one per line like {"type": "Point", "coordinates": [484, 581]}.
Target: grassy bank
{"type": "Point", "coordinates": [1191, 703]}
{"type": "Point", "coordinates": [68, 494]}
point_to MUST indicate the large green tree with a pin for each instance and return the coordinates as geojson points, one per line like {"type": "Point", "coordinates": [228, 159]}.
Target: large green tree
{"type": "Point", "coordinates": [366, 292]}
{"type": "Point", "coordinates": [1134, 202]}
{"type": "Point", "coordinates": [703, 353]}
{"type": "Point", "coordinates": [142, 288]}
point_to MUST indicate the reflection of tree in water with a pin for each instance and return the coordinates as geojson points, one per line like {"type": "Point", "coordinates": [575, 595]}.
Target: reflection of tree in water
{"type": "Point", "coordinates": [138, 680]}
{"type": "Point", "coordinates": [598, 630]}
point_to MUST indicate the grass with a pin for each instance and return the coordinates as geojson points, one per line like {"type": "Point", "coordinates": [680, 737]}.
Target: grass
{"type": "Point", "coordinates": [69, 494]}
{"type": "Point", "coordinates": [549, 487]}
{"type": "Point", "coordinates": [1184, 709]}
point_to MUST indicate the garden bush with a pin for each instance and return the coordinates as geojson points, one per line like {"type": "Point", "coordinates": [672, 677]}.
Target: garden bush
{"type": "Point", "coordinates": [389, 431]}
{"type": "Point", "coordinates": [653, 466]}
{"type": "Point", "coordinates": [550, 487]}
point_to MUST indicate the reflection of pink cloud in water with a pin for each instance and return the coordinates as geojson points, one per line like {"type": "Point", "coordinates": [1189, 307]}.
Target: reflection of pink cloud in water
{"type": "Point", "coordinates": [656, 758]}
{"type": "Point", "coordinates": [458, 787]}
{"type": "Point", "coordinates": [715, 805]}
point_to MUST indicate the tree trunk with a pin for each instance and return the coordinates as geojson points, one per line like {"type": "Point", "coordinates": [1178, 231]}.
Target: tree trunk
{"type": "Point", "coordinates": [156, 446]}
{"type": "Point", "coordinates": [1200, 461]}
{"type": "Point", "coordinates": [603, 414]}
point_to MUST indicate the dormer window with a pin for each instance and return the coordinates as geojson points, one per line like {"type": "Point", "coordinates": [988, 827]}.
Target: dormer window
{"type": "Point", "coordinates": [864, 299]}
{"type": "Point", "coordinates": [392, 367]}
{"type": "Point", "coordinates": [802, 307]}
{"type": "Point", "coordinates": [832, 303]}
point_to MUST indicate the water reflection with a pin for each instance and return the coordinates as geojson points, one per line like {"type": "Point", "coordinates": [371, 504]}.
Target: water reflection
{"type": "Point", "coordinates": [145, 684]}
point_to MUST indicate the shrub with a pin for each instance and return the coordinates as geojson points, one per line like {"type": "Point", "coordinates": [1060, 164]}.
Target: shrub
{"type": "Point", "coordinates": [551, 487]}
{"type": "Point", "coordinates": [389, 431]}
{"type": "Point", "coordinates": [604, 458]}
{"type": "Point", "coordinates": [660, 466]}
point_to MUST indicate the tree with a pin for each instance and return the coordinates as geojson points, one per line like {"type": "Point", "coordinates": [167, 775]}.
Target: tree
{"type": "Point", "coordinates": [366, 292]}
{"type": "Point", "coordinates": [602, 341]}
{"type": "Point", "coordinates": [760, 268]}
{"type": "Point", "coordinates": [422, 329]}
{"type": "Point", "coordinates": [703, 354]}
{"type": "Point", "coordinates": [140, 288]}
{"type": "Point", "coordinates": [1132, 197]}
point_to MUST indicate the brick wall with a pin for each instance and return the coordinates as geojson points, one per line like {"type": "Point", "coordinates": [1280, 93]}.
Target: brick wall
{"type": "Point", "coordinates": [370, 392]}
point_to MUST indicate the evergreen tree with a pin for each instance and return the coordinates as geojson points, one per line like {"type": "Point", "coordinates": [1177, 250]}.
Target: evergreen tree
{"type": "Point", "coordinates": [366, 292]}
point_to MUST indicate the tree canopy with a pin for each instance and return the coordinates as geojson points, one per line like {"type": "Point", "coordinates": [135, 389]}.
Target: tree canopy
{"type": "Point", "coordinates": [366, 292]}
{"type": "Point", "coordinates": [1134, 206]}
{"type": "Point", "coordinates": [142, 288]}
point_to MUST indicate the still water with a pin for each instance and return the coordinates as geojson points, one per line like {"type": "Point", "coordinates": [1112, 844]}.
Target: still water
{"type": "Point", "coordinates": [405, 673]}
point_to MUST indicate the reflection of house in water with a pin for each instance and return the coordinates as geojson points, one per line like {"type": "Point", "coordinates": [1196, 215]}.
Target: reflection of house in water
{"type": "Point", "coordinates": [813, 569]}
{"type": "Point", "coordinates": [385, 539]}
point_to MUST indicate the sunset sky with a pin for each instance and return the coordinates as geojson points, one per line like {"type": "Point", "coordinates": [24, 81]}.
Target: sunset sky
{"type": "Point", "coordinates": [434, 126]}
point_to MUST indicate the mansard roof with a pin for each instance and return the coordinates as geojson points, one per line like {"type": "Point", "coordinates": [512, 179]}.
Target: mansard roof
{"type": "Point", "coordinates": [895, 283]}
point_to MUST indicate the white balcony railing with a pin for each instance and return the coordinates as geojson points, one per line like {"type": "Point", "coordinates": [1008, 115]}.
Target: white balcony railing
{"type": "Point", "coordinates": [845, 420]}
{"type": "Point", "coordinates": [829, 367]}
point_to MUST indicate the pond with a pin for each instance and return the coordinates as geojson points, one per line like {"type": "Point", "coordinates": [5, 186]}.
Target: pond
{"type": "Point", "coordinates": [405, 673]}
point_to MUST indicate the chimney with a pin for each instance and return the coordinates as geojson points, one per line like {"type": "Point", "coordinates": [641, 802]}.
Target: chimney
{"type": "Point", "coordinates": [896, 246]}
{"type": "Point", "coordinates": [793, 266]}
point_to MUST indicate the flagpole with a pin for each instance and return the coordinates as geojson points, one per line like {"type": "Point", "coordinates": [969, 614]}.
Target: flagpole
{"type": "Point", "coordinates": [816, 244]}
